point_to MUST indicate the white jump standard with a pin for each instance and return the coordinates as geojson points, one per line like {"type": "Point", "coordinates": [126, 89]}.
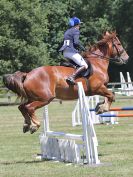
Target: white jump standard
{"type": "Point", "coordinates": [63, 146]}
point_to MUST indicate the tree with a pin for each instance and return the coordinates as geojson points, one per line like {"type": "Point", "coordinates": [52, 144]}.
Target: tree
{"type": "Point", "coordinates": [122, 19]}
{"type": "Point", "coordinates": [31, 31]}
{"type": "Point", "coordinates": [23, 26]}
{"type": "Point", "coordinates": [59, 13]}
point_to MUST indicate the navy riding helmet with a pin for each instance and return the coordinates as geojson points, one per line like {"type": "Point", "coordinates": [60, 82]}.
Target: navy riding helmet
{"type": "Point", "coordinates": [74, 21]}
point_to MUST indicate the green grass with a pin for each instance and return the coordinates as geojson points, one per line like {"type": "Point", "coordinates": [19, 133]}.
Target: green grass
{"type": "Point", "coordinates": [18, 150]}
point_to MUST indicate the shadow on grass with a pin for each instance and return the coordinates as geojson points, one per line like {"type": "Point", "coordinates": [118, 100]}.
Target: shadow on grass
{"type": "Point", "coordinates": [22, 162]}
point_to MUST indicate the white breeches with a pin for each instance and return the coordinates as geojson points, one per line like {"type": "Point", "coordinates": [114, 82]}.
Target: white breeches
{"type": "Point", "coordinates": [76, 57]}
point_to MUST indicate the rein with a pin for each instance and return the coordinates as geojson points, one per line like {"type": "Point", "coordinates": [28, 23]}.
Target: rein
{"type": "Point", "coordinates": [104, 58]}
{"type": "Point", "coordinates": [110, 59]}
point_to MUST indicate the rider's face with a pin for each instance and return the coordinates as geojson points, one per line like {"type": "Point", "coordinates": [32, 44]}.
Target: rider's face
{"type": "Point", "coordinates": [77, 26]}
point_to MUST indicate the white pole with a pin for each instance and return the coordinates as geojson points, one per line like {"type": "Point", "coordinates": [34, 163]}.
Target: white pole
{"type": "Point", "coordinates": [130, 85]}
{"type": "Point", "coordinates": [46, 120]}
{"type": "Point", "coordinates": [90, 138]}
{"type": "Point", "coordinates": [123, 86]}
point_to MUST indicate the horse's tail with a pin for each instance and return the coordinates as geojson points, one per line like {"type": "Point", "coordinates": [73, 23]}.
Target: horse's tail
{"type": "Point", "coordinates": [14, 82]}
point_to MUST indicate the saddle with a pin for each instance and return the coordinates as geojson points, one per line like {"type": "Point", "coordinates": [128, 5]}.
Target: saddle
{"type": "Point", "coordinates": [71, 64]}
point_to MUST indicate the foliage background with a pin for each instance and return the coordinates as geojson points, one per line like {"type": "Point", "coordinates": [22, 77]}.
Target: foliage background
{"type": "Point", "coordinates": [32, 31]}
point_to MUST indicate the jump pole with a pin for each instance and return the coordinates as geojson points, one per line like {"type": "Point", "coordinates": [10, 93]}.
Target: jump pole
{"type": "Point", "coordinates": [116, 115]}
{"type": "Point", "coordinates": [112, 114]}
{"type": "Point", "coordinates": [127, 108]}
{"type": "Point", "coordinates": [90, 138]}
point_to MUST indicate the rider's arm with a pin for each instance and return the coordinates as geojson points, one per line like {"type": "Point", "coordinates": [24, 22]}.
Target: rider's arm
{"type": "Point", "coordinates": [76, 42]}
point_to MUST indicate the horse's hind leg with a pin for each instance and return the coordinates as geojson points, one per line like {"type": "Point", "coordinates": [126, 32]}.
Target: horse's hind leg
{"type": "Point", "coordinates": [109, 98]}
{"type": "Point", "coordinates": [27, 119]}
{"type": "Point", "coordinates": [31, 107]}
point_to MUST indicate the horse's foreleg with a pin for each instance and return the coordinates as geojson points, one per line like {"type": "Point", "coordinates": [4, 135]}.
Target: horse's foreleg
{"type": "Point", "coordinates": [31, 107]}
{"type": "Point", "coordinates": [109, 98]}
{"type": "Point", "coordinates": [27, 119]}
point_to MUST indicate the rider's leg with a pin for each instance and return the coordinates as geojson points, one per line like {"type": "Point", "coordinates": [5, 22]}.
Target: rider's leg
{"type": "Point", "coordinates": [78, 59]}
{"type": "Point", "coordinates": [71, 79]}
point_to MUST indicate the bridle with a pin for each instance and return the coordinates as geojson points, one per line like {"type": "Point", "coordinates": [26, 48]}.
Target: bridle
{"type": "Point", "coordinates": [117, 59]}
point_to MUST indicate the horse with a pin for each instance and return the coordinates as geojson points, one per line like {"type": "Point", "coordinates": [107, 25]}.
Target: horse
{"type": "Point", "coordinates": [40, 86]}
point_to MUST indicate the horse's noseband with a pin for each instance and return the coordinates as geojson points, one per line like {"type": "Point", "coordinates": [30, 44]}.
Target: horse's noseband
{"type": "Point", "coordinates": [118, 59]}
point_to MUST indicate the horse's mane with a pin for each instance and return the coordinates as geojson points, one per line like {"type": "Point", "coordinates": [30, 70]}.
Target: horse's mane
{"type": "Point", "coordinates": [107, 37]}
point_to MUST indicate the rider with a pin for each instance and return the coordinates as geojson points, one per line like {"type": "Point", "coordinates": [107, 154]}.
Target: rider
{"type": "Point", "coordinates": [71, 46]}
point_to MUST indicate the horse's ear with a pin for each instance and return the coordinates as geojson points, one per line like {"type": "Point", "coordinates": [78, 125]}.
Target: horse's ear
{"type": "Point", "coordinates": [107, 33]}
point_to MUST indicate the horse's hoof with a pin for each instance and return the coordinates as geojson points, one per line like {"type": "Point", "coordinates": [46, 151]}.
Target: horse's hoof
{"type": "Point", "coordinates": [99, 112]}
{"type": "Point", "coordinates": [98, 107]}
{"type": "Point", "coordinates": [26, 128]}
{"type": "Point", "coordinates": [33, 129]}
{"type": "Point", "coordinates": [102, 108]}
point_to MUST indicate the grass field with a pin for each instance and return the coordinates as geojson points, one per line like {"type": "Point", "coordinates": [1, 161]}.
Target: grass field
{"type": "Point", "coordinates": [18, 150]}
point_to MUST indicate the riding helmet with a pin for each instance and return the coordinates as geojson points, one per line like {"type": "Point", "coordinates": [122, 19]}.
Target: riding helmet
{"type": "Point", "coordinates": [74, 21]}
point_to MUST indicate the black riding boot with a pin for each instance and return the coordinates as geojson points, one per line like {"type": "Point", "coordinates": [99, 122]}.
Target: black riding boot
{"type": "Point", "coordinates": [71, 79]}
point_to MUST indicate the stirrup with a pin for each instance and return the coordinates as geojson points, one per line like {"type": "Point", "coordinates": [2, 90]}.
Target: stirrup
{"type": "Point", "coordinates": [70, 81]}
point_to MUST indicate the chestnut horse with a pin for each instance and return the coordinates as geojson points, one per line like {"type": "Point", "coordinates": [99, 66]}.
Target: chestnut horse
{"type": "Point", "coordinates": [40, 86]}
